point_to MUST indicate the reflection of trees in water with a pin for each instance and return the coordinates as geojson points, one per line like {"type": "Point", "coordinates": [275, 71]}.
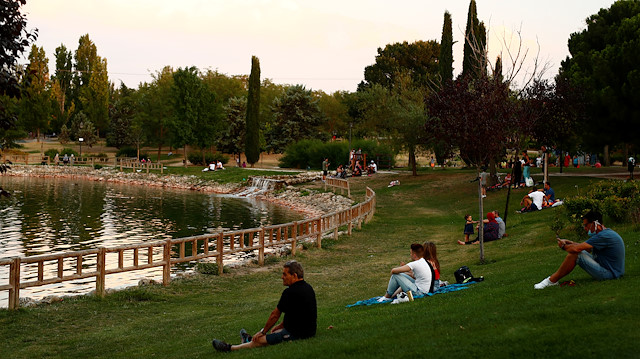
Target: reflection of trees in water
{"type": "Point", "coordinates": [63, 215]}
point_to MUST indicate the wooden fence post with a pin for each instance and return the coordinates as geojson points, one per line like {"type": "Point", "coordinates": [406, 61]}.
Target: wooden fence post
{"type": "Point", "coordinates": [166, 268]}
{"type": "Point", "coordinates": [220, 249]}
{"type": "Point", "coordinates": [319, 229]}
{"type": "Point", "coordinates": [336, 224]}
{"type": "Point", "coordinates": [261, 248]}
{"type": "Point", "coordinates": [294, 242]}
{"type": "Point", "coordinates": [101, 268]}
{"type": "Point", "coordinates": [14, 280]}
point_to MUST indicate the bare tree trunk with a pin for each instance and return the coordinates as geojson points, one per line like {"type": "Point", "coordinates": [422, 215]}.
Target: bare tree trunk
{"type": "Point", "coordinates": [607, 160]}
{"type": "Point", "coordinates": [412, 161]}
{"type": "Point", "coordinates": [185, 155]}
{"type": "Point", "coordinates": [480, 224]}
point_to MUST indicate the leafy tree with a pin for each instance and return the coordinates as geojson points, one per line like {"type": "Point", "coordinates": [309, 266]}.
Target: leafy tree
{"type": "Point", "coordinates": [419, 59]}
{"type": "Point", "coordinates": [86, 57]}
{"type": "Point", "coordinates": [36, 103]}
{"type": "Point", "coordinates": [296, 117]}
{"type": "Point", "coordinates": [65, 136]}
{"type": "Point", "coordinates": [196, 113]}
{"type": "Point", "coordinates": [335, 113]}
{"type": "Point", "coordinates": [225, 87]}
{"type": "Point", "coordinates": [95, 96]}
{"type": "Point", "coordinates": [475, 116]}
{"type": "Point", "coordinates": [269, 91]}
{"type": "Point", "coordinates": [61, 87]}
{"type": "Point", "coordinates": [474, 62]}
{"type": "Point", "coordinates": [398, 114]}
{"type": "Point", "coordinates": [14, 39]}
{"type": "Point", "coordinates": [156, 108]}
{"type": "Point", "coordinates": [121, 113]}
{"type": "Point", "coordinates": [445, 59]}
{"type": "Point", "coordinates": [604, 61]}
{"type": "Point", "coordinates": [252, 128]}
{"type": "Point", "coordinates": [232, 140]}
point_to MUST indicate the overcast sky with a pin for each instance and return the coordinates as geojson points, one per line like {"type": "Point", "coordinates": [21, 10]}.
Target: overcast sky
{"type": "Point", "coordinates": [324, 45]}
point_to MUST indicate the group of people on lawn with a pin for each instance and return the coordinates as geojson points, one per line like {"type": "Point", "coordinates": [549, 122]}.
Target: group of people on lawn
{"type": "Point", "coordinates": [602, 256]}
{"type": "Point", "coordinates": [214, 166]}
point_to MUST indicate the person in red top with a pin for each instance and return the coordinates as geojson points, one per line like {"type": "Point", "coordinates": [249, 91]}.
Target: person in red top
{"type": "Point", "coordinates": [431, 256]}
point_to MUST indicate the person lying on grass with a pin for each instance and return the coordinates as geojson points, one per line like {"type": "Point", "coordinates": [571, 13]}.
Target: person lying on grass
{"type": "Point", "coordinates": [607, 260]}
{"type": "Point", "coordinates": [419, 284]}
{"type": "Point", "coordinates": [298, 302]}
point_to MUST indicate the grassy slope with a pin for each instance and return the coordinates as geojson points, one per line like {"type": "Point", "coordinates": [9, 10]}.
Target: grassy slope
{"type": "Point", "coordinates": [501, 317]}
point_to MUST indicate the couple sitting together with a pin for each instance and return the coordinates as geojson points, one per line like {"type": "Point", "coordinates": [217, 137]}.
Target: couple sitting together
{"type": "Point", "coordinates": [420, 276]}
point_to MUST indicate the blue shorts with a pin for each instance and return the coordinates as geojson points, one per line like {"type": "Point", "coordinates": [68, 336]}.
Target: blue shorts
{"type": "Point", "coordinates": [279, 337]}
{"type": "Point", "coordinates": [588, 263]}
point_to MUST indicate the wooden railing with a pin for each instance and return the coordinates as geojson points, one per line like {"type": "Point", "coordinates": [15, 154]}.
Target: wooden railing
{"type": "Point", "coordinates": [338, 183]}
{"type": "Point", "coordinates": [137, 165]}
{"type": "Point", "coordinates": [101, 262]}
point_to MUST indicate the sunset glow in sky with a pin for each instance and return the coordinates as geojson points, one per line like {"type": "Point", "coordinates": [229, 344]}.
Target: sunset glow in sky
{"type": "Point", "coordinates": [324, 45]}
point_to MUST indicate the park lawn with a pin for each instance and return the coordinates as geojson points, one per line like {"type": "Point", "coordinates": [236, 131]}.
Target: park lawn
{"type": "Point", "coordinates": [500, 317]}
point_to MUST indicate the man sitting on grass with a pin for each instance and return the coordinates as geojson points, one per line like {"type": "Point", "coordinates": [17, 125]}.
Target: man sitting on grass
{"type": "Point", "coordinates": [607, 261]}
{"type": "Point", "coordinates": [532, 201]}
{"type": "Point", "coordinates": [298, 302]}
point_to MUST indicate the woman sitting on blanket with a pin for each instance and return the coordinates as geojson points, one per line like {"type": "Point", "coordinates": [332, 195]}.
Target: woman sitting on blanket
{"type": "Point", "coordinates": [423, 275]}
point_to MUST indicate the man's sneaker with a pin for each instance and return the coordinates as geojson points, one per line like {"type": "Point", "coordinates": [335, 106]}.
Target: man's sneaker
{"type": "Point", "coordinates": [221, 346]}
{"type": "Point", "coordinates": [245, 336]}
{"type": "Point", "coordinates": [545, 283]}
{"type": "Point", "coordinates": [383, 299]}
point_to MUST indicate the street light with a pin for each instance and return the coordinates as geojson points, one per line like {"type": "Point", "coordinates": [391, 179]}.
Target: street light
{"type": "Point", "coordinates": [80, 139]}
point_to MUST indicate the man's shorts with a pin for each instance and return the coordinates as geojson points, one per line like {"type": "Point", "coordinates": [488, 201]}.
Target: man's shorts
{"type": "Point", "coordinates": [324, 173]}
{"type": "Point", "coordinates": [588, 263]}
{"type": "Point", "coordinates": [279, 337]}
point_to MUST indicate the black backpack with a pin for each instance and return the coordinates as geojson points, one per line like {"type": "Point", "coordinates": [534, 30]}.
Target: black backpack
{"type": "Point", "coordinates": [463, 274]}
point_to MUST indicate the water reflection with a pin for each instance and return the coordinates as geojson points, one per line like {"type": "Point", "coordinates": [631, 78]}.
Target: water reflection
{"type": "Point", "coordinates": [54, 215]}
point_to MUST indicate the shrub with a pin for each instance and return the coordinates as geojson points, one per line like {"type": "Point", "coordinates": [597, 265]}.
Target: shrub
{"type": "Point", "coordinates": [209, 268]}
{"type": "Point", "coordinates": [195, 157]}
{"type": "Point", "coordinates": [127, 152]}
{"type": "Point", "coordinates": [69, 152]}
{"type": "Point", "coordinates": [616, 199]}
{"type": "Point", "coordinates": [51, 153]}
{"type": "Point", "coordinates": [311, 153]}
{"type": "Point", "coordinates": [97, 167]}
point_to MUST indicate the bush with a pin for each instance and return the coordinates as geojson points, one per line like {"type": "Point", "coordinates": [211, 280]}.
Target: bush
{"type": "Point", "coordinates": [209, 268]}
{"type": "Point", "coordinates": [195, 157]}
{"type": "Point", "coordinates": [97, 167]}
{"type": "Point", "coordinates": [127, 152]}
{"type": "Point", "coordinates": [69, 152]}
{"type": "Point", "coordinates": [311, 153]}
{"type": "Point", "coordinates": [616, 199]}
{"type": "Point", "coordinates": [51, 153]}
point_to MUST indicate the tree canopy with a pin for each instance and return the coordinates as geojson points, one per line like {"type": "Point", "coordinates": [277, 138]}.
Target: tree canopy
{"type": "Point", "coordinates": [605, 62]}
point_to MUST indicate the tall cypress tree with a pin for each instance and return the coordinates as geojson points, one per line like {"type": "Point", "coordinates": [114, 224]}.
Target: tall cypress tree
{"type": "Point", "coordinates": [445, 59]}
{"type": "Point", "coordinates": [252, 139]}
{"type": "Point", "coordinates": [474, 62]}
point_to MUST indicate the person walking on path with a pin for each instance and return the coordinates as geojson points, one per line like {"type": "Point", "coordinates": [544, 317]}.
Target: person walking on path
{"type": "Point", "coordinates": [325, 168]}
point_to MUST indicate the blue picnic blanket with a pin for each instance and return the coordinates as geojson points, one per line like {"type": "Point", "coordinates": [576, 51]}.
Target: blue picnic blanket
{"type": "Point", "coordinates": [442, 290]}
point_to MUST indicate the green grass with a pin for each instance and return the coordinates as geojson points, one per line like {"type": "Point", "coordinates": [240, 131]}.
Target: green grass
{"type": "Point", "coordinates": [500, 317]}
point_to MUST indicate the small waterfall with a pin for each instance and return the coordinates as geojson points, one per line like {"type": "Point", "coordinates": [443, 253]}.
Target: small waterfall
{"type": "Point", "coordinates": [259, 185]}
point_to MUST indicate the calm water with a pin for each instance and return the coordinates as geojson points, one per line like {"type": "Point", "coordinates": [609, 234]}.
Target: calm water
{"type": "Point", "coordinates": [59, 215]}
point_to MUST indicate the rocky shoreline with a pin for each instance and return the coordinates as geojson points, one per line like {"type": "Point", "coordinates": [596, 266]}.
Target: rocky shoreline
{"type": "Point", "coordinates": [309, 203]}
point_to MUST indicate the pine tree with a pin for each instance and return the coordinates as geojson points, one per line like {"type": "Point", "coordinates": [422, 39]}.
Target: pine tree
{"type": "Point", "coordinates": [252, 139]}
{"type": "Point", "coordinates": [445, 60]}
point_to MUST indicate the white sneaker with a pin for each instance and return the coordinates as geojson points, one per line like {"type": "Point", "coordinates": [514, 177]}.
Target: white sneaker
{"type": "Point", "coordinates": [383, 299]}
{"type": "Point", "coordinates": [545, 283]}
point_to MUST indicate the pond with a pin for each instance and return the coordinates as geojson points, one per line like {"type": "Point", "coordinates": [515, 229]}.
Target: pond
{"type": "Point", "coordinates": [60, 215]}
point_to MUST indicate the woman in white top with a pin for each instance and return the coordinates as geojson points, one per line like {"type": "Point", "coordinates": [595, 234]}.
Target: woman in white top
{"type": "Point", "coordinates": [422, 272]}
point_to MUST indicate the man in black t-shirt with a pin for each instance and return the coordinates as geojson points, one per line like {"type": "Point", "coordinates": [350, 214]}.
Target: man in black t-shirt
{"type": "Point", "coordinates": [298, 302]}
